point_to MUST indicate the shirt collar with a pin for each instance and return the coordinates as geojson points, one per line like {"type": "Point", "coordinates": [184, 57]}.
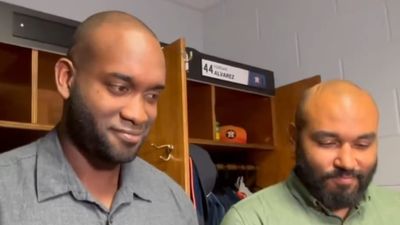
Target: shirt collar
{"type": "Point", "coordinates": [300, 192]}
{"type": "Point", "coordinates": [55, 176]}
{"type": "Point", "coordinates": [135, 180]}
{"type": "Point", "coordinates": [51, 168]}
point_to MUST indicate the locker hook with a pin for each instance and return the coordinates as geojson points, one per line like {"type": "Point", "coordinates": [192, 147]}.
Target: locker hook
{"type": "Point", "coordinates": [168, 150]}
{"type": "Point", "coordinates": [188, 56]}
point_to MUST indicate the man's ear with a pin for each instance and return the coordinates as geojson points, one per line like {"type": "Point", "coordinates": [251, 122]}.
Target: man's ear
{"type": "Point", "coordinates": [292, 134]}
{"type": "Point", "coordinates": [65, 74]}
{"type": "Point", "coordinates": [292, 138]}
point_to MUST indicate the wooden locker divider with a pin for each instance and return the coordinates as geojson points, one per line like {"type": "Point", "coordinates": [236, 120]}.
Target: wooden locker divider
{"type": "Point", "coordinates": [34, 99]}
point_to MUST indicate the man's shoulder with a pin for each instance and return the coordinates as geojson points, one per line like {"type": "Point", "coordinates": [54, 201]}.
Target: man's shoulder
{"type": "Point", "coordinates": [151, 171]}
{"type": "Point", "coordinates": [15, 156]}
{"type": "Point", "coordinates": [384, 203]}
{"type": "Point", "coordinates": [163, 190]}
{"type": "Point", "coordinates": [265, 199]}
{"type": "Point", "coordinates": [155, 178]}
{"type": "Point", "coordinates": [17, 166]}
{"type": "Point", "coordinates": [383, 194]}
{"type": "Point", "coordinates": [265, 205]}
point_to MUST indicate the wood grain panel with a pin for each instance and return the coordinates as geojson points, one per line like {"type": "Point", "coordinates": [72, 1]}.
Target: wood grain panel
{"type": "Point", "coordinates": [171, 124]}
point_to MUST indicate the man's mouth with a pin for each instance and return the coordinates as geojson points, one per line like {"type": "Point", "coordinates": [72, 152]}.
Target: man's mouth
{"type": "Point", "coordinates": [344, 180]}
{"type": "Point", "coordinates": [129, 136]}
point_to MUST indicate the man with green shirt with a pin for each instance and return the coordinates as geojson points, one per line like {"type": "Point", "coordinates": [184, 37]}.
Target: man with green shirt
{"type": "Point", "coordinates": [335, 133]}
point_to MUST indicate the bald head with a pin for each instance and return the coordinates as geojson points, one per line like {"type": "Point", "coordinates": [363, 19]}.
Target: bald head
{"type": "Point", "coordinates": [336, 137]}
{"type": "Point", "coordinates": [334, 98]}
{"type": "Point", "coordinates": [84, 40]}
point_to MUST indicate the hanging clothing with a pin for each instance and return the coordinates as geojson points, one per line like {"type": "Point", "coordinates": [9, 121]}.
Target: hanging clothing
{"type": "Point", "coordinates": [210, 210]}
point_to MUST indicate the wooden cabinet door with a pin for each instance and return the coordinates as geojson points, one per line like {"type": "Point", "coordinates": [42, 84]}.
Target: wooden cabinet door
{"type": "Point", "coordinates": [286, 100]}
{"type": "Point", "coordinates": [170, 127]}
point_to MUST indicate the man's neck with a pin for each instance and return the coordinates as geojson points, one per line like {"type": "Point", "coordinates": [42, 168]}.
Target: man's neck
{"type": "Point", "coordinates": [342, 213]}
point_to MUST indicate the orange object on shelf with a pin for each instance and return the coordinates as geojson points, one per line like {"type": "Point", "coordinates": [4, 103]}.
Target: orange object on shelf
{"type": "Point", "coordinates": [233, 134]}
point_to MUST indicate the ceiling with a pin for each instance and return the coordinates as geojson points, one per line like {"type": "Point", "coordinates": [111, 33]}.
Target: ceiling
{"type": "Point", "coordinates": [197, 4]}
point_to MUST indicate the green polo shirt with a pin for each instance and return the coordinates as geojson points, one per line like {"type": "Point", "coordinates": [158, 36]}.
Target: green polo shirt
{"type": "Point", "coordinates": [289, 203]}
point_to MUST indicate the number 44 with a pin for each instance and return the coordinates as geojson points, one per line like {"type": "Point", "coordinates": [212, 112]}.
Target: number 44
{"type": "Point", "coordinates": [208, 68]}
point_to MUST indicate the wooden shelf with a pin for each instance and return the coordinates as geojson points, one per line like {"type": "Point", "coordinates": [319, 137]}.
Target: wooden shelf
{"type": "Point", "coordinates": [25, 126]}
{"type": "Point", "coordinates": [217, 145]}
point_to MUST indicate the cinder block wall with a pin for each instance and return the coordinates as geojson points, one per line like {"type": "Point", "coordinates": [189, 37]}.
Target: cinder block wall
{"type": "Point", "coordinates": [358, 40]}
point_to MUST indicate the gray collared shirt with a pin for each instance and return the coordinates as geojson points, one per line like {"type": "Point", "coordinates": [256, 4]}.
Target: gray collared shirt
{"type": "Point", "coordinates": [39, 187]}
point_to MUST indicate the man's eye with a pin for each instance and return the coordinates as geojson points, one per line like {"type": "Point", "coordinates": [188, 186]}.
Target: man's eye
{"type": "Point", "coordinates": [118, 89]}
{"type": "Point", "coordinates": [152, 97]}
{"type": "Point", "coordinates": [328, 144]}
{"type": "Point", "coordinates": [362, 145]}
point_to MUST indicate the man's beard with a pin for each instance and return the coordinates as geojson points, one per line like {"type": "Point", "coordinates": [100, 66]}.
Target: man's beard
{"type": "Point", "coordinates": [86, 135]}
{"type": "Point", "coordinates": [336, 199]}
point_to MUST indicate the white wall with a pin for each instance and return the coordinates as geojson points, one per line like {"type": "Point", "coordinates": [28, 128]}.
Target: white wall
{"type": "Point", "coordinates": [358, 40]}
{"type": "Point", "coordinates": [168, 20]}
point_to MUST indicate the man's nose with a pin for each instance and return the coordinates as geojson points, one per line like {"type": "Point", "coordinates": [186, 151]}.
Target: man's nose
{"type": "Point", "coordinates": [345, 158]}
{"type": "Point", "coordinates": [134, 110]}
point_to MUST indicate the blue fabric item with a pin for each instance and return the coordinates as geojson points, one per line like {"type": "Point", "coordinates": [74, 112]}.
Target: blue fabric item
{"type": "Point", "coordinates": [227, 197]}
{"type": "Point", "coordinates": [206, 169]}
{"type": "Point", "coordinates": [215, 209]}
{"type": "Point", "coordinates": [210, 210]}
{"type": "Point", "coordinates": [198, 194]}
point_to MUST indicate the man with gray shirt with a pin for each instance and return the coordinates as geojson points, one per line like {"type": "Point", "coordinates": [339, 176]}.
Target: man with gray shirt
{"type": "Point", "coordinates": [86, 171]}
